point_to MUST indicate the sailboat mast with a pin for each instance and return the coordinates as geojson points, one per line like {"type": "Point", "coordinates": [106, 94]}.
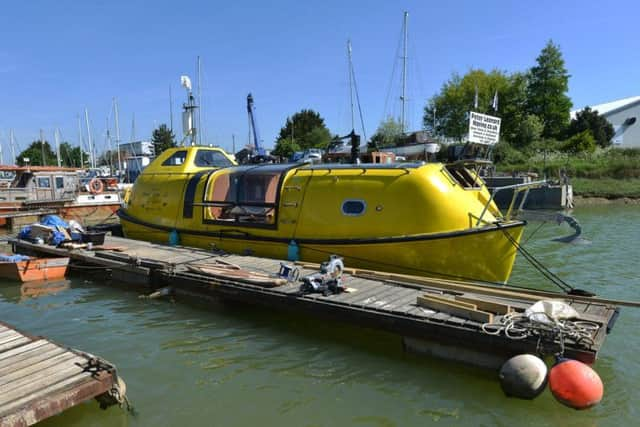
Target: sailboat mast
{"type": "Point", "coordinates": [56, 137]}
{"type": "Point", "coordinates": [43, 160]}
{"type": "Point", "coordinates": [80, 142]}
{"type": "Point", "coordinates": [200, 128]}
{"type": "Point", "coordinates": [92, 153]}
{"type": "Point", "coordinates": [353, 126]}
{"type": "Point", "coordinates": [117, 121]}
{"type": "Point", "coordinates": [12, 144]}
{"type": "Point", "coordinates": [404, 72]}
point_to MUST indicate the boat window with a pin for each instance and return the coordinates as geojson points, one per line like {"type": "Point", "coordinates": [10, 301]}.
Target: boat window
{"type": "Point", "coordinates": [211, 158]}
{"type": "Point", "coordinates": [353, 207]}
{"type": "Point", "coordinates": [243, 197]}
{"type": "Point", "coordinates": [176, 158]}
{"type": "Point", "coordinates": [59, 182]}
{"type": "Point", "coordinates": [463, 176]}
{"type": "Point", "coordinates": [44, 182]}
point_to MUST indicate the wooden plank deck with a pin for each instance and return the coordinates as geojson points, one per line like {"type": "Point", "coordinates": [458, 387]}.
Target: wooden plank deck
{"type": "Point", "coordinates": [39, 379]}
{"type": "Point", "coordinates": [378, 303]}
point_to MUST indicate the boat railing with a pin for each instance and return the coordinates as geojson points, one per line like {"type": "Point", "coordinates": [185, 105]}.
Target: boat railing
{"type": "Point", "coordinates": [517, 189]}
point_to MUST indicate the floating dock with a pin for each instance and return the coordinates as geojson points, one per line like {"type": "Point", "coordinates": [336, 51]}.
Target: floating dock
{"type": "Point", "coordinates": [39, 379]}
{"type": "Point", "coordinates": [438, 317]}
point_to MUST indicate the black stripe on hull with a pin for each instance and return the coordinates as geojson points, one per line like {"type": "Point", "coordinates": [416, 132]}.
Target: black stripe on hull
{"type": "Point", "coordinates": [243, 235]}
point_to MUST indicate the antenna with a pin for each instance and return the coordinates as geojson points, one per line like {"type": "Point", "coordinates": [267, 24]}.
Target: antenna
{"type": "Point", "coordinates": [350, 83]}
{"type": "Point", "coordinates": [133, 127]}
{"type": "Point", "coordinates": [188, 127]}
{"type": "Point", "coordinates": [404, 73]}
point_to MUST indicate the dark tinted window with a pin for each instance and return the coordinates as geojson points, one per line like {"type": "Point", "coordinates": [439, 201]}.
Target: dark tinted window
{"type": "Point", "coordinates": [176, 159]}
{"type": "Point", "coordinates": [353, 207]}
{"type": "Point", "coordinates": [44, 182]}
{"type": "Point", "coordinates": [59, 182]}
{"type": "Point", "coordinates": [210, 158]}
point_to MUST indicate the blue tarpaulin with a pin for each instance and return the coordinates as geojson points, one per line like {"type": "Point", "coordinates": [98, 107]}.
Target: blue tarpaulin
{"type": "Point", "coordinates": [13, 258]}
{"type": "Point", "coordinates": [54, 221]}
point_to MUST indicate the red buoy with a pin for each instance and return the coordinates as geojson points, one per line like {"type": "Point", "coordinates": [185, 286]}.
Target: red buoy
{"type": "Point", "coordinates": [575, 384]}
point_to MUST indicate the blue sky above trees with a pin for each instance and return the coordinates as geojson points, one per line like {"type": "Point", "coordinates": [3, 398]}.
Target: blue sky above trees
{"type": "Point", "coordinates": [59, 57]}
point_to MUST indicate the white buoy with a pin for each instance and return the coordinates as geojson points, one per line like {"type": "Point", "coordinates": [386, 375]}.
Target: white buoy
{"type": "Point", "coordinates": [523, 376]}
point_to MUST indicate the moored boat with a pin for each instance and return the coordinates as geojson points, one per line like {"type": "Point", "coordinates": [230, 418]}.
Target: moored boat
{"type": "Point", "coordinates": [415, 218]}
{"type": "Point", "coordinates": [36, 190]}
{"type": "Point", "coordinates": [26, 269]}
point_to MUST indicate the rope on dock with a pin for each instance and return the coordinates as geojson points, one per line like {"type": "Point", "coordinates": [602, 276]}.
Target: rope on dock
{"type": "Point", "coordinates": [519, 326]}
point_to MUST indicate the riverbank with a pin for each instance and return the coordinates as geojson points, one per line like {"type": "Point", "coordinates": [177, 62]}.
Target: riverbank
{"type": "Point", "coordinates": [588, 191]}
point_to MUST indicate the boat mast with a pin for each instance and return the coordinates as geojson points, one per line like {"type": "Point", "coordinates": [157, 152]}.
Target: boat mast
{"type": "Point", "coordinates": [80, 142]}
{"type": "Point", "coordinates": [43, 161]}
{"type": "Point", "coordinates": [115, 113]}
{"type": "Point", "coordinates": [404, 72]}
{"type": "Point", "coordinates": [353, 126]}
{"type": "Point", "coordinates": [170, 110]}
{"type": "Point", "coordinates": [12, 144]}
{"type": "Point", "coordinates": [188, 127]}
{"type": "Point", "coordinates": [92, 153]}
{"type": "Point", "coordinates": [199, 122]}
{"type": "Point", "coordinates": [56, 137]}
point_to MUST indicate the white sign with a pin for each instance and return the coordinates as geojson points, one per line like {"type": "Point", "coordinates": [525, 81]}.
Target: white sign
{"type": "Point", "coordinates": [484, 129]}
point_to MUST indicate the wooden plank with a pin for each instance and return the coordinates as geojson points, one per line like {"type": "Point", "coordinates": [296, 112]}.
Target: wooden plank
{"type": "Point", "coordinates": [403, 294]}
{"type": "Point", "coordinates": [38, 368]}
{"type": "Point", "coordinates": [455, 309]}
{"type": "Point", "coordinates": [13, 404]}
{"type": "Point", "coordinates": [16, 363]}
{"type": "Point", "coordinates": [399, 305]}
{"type": "Point", "coordinates": [362, 293]}
{"type": "Point", "coordinates": [448, 300]}
{"type": "Point", "coordinates": [21, 340]}
{"type": "Point", "coordinates": [485, 305]}
{"type": "Point", "coordinates": [41, 379]}
{"type": "Point", "coordinates": [385, 298]}
{"type": "Point", "coordinates": [8, 336]}
{"type": "Point", "coordinates": [33, 346]}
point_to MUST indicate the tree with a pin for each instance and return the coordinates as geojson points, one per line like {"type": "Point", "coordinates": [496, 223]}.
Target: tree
{"type": "Point", "coordinates": [590, 120]}
{"type": "Point", "coordinates": [163, 139]}
{"type": "Point", "coordinates": [388, 133]}
{"type": "Point", "coordinates": [34, 153]}
{"type": "Point", "coordinates": [582, 142]}
{"type": "Point", "coordinates": [528, 130]}
{"type": "Point", "coordinates": [305, 129]}
{"type": "Point", "coordinates": [547, 92]}
{"type": "Point", "coordinates": [456, 98]}
{"type": "Point", "coordinates": [70, 156]}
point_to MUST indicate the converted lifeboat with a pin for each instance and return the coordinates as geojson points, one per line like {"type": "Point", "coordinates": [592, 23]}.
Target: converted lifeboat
{"type": "Point", "coordinates": [421, 219]}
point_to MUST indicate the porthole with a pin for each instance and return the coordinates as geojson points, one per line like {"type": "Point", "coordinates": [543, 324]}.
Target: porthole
{"type": "Point", "coordinates": [353, 207]}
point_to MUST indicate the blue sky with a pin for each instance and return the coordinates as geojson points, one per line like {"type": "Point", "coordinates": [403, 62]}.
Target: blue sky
{"type": "Point", "coordinates": [59, 57]}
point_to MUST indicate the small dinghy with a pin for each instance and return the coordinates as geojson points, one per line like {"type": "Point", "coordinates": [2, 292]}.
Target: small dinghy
{"type": "Point", "coordinates": [26, 269]}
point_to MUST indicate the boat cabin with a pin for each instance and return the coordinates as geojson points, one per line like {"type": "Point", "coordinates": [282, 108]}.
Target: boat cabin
{"type": "Point", "coordinates": [41, 184]}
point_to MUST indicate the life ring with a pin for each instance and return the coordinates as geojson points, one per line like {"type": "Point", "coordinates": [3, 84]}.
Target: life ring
{"type": "Point", "coordinates": [96, 186]}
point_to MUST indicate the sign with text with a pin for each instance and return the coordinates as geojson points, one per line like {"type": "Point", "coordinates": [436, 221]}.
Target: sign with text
{"type": "Point", "coordinates": [484, 129]}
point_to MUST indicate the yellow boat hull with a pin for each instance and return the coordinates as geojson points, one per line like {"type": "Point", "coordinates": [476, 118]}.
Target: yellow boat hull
{"type": "Point", "coordinates": [485, 254]}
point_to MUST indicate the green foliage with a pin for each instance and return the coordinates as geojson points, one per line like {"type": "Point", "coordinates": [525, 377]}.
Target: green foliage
{"type": "Point", "coordinates": [456, 99]}
{"type": "Point", "coordinates": [305, 129]}
{"type": "Point", "coordinates": [505, 153]}
{"type": "Point", "coordinates": [70, 156]}
{"type": "Point", "coordinates": [590, 120]}
{"type": "Point", "coordinates": [527, 131]}
{"type": "Point", "coordinates": [163, 139]}
{"type": "Point", "coordinates": [34, 153]}
{"type": "Point", "coordinates": [388, 133]}
{"type": "Point", "coordinates": [610, 188]}
{"type": "Point", "coordinates": [547, 88]}
{"type": "Point", "coordinates": [582, 142]}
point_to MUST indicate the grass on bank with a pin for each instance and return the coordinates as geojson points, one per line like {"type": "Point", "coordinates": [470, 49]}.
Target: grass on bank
{"type": "Point", "coordinates": [609, 188]}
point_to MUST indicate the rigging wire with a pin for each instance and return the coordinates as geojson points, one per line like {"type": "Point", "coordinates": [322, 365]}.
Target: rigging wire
{"type": "Point", "coordinates": [393, 74]}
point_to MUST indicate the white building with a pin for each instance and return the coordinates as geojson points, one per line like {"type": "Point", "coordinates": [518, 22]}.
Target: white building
{"type": "Point", "coordinates": [624, 116]}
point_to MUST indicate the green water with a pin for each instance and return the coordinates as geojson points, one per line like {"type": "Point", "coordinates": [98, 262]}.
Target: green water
{"type": "Point", "coordinates": [230, 365]}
